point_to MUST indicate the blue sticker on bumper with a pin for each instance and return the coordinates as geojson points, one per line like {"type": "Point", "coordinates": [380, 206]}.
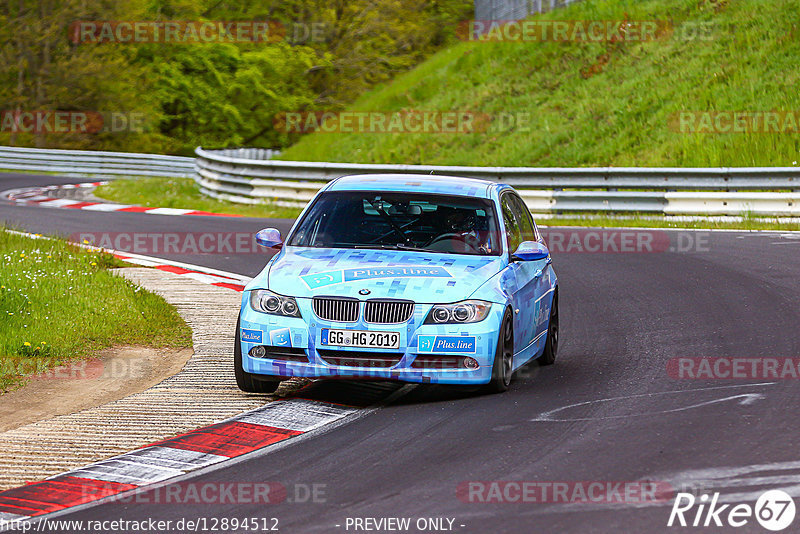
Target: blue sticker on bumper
{"type": "Point", "coordinates": [447, 344]}
{"type": "Point", "coordinates": [252, 336]}
{"type": "Point", "coordinates": [281, 337]}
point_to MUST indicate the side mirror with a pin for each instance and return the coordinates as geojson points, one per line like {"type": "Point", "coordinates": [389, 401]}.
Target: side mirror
{"type": "Point", "coordinates": [530, 251]}
{"type": "Point", "coordinates": [270, 238]}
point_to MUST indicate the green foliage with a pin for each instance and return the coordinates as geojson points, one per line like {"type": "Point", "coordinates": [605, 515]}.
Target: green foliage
{"type": "Point", "coordinates": [41, 69]}
{"type": "Point", "coordinates": [221, 95]}
{"type": "Point", "coordinates": [212, 94]}
{"type": "Point", "coordinates": [183, 193]}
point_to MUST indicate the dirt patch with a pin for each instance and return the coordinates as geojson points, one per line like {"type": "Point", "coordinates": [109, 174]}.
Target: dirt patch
{"type": "Point", "coordinates": [111, 375]}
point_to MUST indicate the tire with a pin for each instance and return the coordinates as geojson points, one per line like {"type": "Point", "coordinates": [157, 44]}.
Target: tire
{"type": "Point", "coordinates": [503, 358]}
{"type": "Point", "coordinates": [248, 382]}
{"type": "Point", "coordinates": [548, 357]}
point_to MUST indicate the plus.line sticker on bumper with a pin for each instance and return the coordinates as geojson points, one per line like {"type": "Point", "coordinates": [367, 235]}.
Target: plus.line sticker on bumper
{"type": "Point", "coordinates": [447, 344]}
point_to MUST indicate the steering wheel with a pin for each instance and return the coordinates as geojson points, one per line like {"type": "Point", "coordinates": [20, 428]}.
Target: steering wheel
{"type": "Point", "coordinates": [453, 236]}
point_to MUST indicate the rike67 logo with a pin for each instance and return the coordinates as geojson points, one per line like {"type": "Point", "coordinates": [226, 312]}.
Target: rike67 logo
{"type": "Point", "coordinates": [774, 510]}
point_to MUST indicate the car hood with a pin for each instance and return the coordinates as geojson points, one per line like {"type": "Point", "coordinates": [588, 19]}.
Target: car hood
{"type": "Point", "coordinates": [419, 276]}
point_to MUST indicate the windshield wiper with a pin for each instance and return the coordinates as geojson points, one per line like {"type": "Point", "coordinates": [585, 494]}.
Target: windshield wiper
{"type": "Point", "coordinates": [408, 247]}
{"type": "Point", "coordinates": [399, 246]}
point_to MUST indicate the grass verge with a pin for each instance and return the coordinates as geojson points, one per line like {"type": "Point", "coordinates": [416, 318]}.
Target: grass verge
{"type": "Point", "coordinates": [60, 303]}
{"type": "Point", "coordinates": [183, 193]}
{"type": "Point", "coordinates": [636, 221]}
{"type": "Point", "coordinates": [612, 103]}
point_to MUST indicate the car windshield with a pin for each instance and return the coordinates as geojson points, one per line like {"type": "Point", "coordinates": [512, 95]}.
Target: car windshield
{"type": "Point", "coordinates": [401, 221]}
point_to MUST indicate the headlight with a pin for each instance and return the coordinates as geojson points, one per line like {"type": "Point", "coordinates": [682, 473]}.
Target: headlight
{"type": "Point", "coordinates": [467, 311]}
{"type": "Point", "coordinates": [264, 301]}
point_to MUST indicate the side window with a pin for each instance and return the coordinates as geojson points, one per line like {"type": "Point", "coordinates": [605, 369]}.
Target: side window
{"type": "Point", "coordinates": [526, 221]}
{"type": "Point", "coordinates": [512, 222]}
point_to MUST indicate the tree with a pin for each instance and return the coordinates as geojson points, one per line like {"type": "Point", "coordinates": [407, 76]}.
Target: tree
{"type": "Point", "coordinates": [42, 70]}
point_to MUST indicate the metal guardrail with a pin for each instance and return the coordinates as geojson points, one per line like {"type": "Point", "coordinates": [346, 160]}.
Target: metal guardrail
{"type": "Point", "coordinates": [249, 175]}
{"type": "Point", "coordinates": [770, 191]}
{"type": "Point", "coordinates": [515, 9]}
{"type": "Point", "coordinates": [87, 163]}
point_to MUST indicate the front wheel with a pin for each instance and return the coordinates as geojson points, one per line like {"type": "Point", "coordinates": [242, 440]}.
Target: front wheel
{"type": "Point", "coordinates": [503, 358]}
{"type": "Point", "coordinates": [248, 382]}
{"type": "Point", "coordinates": [548, 357]}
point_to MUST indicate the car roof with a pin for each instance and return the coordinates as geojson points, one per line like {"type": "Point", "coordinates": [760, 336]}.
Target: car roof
{"type": "Point", "coordinates": [416, 183]}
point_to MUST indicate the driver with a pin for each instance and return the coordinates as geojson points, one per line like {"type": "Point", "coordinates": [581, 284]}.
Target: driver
{"type": "Point", "coordinates": [462, 222]}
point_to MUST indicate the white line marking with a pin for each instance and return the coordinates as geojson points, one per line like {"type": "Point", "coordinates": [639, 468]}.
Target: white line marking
{"type": "Point", "coordinates": [126, 471]}
{"type": "Point", "coordinates": [748, 398]}
{"type": "Point", "coordinates": [297, 414]}
{"type": "Point", "coordinates": [60, 203]}
{"type": "Point", "coordinates": [106, 207]}
{"type": "Point", "coordinates": [207, 278]}
{"type": "Point", "coordinates": [183, 459]}
{"type": "Point", "coordinates": [167, 211]}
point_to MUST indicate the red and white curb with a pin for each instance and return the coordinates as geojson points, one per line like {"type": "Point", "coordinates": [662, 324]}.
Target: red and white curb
{"type": "Point", "coordinates": [39, 196]}
{"type": "Point", "coordinates": [206, 275]}
{"type": "Point", "coordinates": [175, 457]}
{"type": "Point", "coordinates": [203, 448]}
{"type": "Point", "coordinates": [201, 274]}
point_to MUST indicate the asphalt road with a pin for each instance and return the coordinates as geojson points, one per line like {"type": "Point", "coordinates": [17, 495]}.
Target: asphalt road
{"type": "Point", "coordinates": [608, 411]}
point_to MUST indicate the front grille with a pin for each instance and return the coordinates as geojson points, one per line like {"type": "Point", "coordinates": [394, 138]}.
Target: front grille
{"type": "Point", "coordinates": [342, 310]}
{"type": "Point", "coordinates": [385, 311]}
{"type": "Point", "coordinates": [360, 358]}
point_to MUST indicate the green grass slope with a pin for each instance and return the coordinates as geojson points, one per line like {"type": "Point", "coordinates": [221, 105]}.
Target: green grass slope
{"type": "Point", "coordinates": [60, 303]}
{"type": "Point", "coordinates": [596, 104]}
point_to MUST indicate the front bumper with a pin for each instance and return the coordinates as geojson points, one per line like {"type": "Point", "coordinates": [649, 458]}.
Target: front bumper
{"type": "Point", "coordinates": [409, 363]}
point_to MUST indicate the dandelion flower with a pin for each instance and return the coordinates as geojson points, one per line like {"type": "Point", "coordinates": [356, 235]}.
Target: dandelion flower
{"type": "Point", "coordinates": [27, 344]}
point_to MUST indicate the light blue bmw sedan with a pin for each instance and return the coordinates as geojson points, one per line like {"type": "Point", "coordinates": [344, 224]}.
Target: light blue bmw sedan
{"type": "Point", "coordinates": [427, 279]}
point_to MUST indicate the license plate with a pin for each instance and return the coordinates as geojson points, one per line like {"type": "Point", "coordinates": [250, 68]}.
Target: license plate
{"type": "Point", "coordinates": [361, 339]}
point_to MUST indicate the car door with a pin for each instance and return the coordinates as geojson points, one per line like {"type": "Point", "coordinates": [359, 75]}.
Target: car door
{"type": "Point", "coordinates": [541, 284]}
{"type": "Point", "coordinates": [526, 283]}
